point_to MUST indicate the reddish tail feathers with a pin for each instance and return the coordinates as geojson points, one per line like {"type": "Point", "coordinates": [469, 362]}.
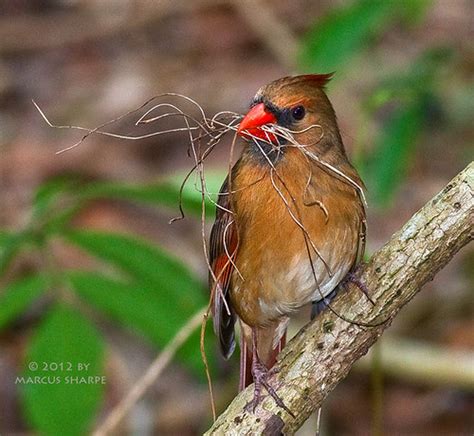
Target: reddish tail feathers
{"type": "Point", "coordinates": [246, 359]}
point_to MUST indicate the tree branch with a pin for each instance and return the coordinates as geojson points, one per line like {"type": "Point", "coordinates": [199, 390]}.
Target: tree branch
{"type": "Point", "coordinates": [322, 353]}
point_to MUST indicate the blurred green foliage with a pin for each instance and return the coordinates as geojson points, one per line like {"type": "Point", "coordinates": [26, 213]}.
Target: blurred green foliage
{"type": "Point", "coordinates": [158, 294]}
{"type": "Point", "coordinates": [67, 401]}
{"type": "Point", "coordinates": [345, 31]}
{"type": "Point", "coordinates": [412, 96]}
{"type": "Point", "coordinates": [143, 289]}
{"type": "Point", "coordinates": [16, 297]}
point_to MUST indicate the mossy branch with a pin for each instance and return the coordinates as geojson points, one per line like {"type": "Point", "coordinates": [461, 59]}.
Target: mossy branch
{"type": "Point", "coordinates": [322, 353]}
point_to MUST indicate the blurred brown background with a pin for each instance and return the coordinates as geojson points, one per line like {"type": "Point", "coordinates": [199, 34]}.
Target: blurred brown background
{"type": "Point", "coordinates": [88, 61]}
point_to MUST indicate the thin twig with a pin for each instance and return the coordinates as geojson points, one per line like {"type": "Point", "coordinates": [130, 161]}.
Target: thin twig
{"type": "Point", "coordinates": [150, 376]}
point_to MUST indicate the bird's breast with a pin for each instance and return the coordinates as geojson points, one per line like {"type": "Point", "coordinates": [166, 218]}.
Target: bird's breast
{"type": "Point", "coordinates": [298, 233]}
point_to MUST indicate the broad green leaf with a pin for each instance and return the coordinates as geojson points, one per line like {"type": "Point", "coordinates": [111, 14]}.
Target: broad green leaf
{"type": "Point", "coordinates": [154, 314]}
{"type": "Point", "coordinates": [161, 296]}
{"type": "Point", "coordinates": [192, 189]}
{"type": "Point", "coordinates": [10, 245]}
{"type": "Point", "coordinates": [144, 263]}
{"type": "Point", "coordinates": [63, 380]}
{"type": "Point", "coordinates": [343, 33]}
{"type": "Point", "coordinates": [163, 194]}
{"type": "Point", "coordinates": [55, 204]}
{"type": "Point", "coordinates": [53, 212]}
{"type": "Point", "coordinates": [17, 296]}
{"type": "Point", "coordinates": [47, 194]}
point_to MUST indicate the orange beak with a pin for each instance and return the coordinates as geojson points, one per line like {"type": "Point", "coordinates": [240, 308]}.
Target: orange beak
{"type": "Point", "coordinates": [251, 125]}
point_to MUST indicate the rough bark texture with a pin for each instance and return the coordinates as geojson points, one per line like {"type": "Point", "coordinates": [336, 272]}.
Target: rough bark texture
{"type": "Point", "coordinates": [322, 353]}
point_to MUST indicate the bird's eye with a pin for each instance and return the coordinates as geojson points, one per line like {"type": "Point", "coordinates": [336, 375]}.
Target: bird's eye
{"type": "Point", "coordinates": [298, 112]}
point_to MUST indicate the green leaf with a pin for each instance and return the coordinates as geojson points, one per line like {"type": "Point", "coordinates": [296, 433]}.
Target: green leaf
{"type": "Point", "coordinates": [343, 33]}
{"type": "Point", "coordinates": [47, 194]}
{"type": "Point", "coordinates": [163, 194]}
{"type": "Point", "coordinates": [192, 189]}
{"type": "Point", "coordinates": [45, 201]}
{"type": "Point", "coordinates": [17, 296]}
{"type": "Point", "coordinates": [53, 211]}
{"type": "Point", "coordinates": [59, 396]}
{"type": "Point", "coordinates": [161, 295]}
{"type": "Point", "coordinates": [153, 313]}
{"type": "Point", "coordinates": [10, 245]}
{"type": "Point", "coordinates": [144, 263]}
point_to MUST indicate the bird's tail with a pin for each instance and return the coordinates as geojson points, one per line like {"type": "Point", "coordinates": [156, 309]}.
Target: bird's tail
{"type": "Point", "coordinates": [270, 341]}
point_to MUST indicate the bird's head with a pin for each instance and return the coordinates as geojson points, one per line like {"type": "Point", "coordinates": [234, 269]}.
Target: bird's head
{"type": "Point", "coordinates": [297, 104]}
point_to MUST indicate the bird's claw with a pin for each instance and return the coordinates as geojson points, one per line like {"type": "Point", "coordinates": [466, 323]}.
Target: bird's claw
{"type": "Point", "coordinates": [261, 375]}
{"type": "Point", "coordinates": [353, 278]}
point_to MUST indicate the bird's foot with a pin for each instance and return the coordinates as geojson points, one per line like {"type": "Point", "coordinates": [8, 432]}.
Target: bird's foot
{"type": "Point", "coordinates": [261, 375]}
{"type": "Point", "coordinates": [353, 278]}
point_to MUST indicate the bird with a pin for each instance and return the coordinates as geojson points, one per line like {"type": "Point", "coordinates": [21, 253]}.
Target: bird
{"type": "Point", "coordinates": [290, 223]}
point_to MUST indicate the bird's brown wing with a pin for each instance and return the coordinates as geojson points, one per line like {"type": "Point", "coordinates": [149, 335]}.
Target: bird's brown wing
{"type": "Point", "coordinates": [222, 251]}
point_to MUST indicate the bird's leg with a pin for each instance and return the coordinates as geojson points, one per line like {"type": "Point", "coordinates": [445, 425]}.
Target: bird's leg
{"type": "Point", "coordinates": [353, 278]}
{"type": "Point", "coordinates": [261, 374]}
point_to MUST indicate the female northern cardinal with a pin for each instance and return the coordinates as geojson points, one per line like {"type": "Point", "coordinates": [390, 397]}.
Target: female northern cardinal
{"type": "Point", "coordinates": [290, 222]}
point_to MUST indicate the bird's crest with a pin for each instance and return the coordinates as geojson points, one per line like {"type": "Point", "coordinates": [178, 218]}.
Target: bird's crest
{"type": "Point", "coordinates": [320, 80]}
